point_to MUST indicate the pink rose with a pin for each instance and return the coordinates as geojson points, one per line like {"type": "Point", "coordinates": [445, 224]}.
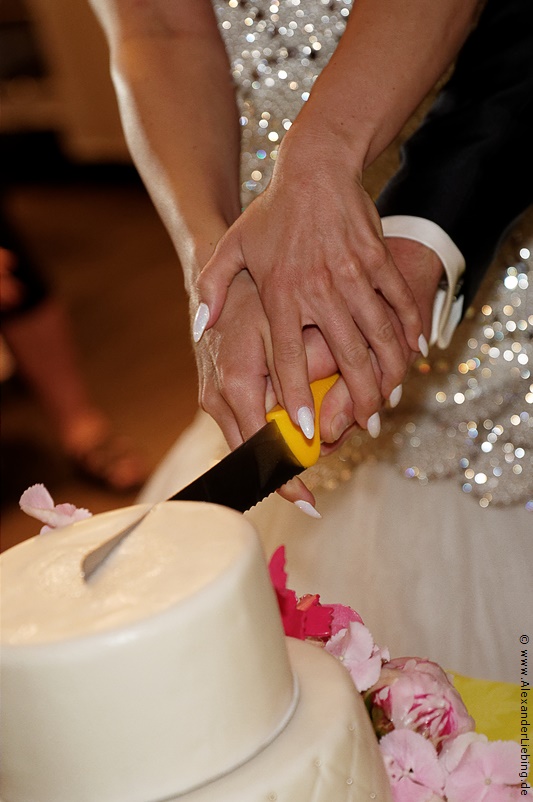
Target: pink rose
{"type": "Point", "coordinates": [417, 695]}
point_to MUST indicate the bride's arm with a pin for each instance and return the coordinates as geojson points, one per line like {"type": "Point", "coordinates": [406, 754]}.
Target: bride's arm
{"type": "Point", "coordinates": [178, 109]}
{"type": "Point", "coordinates": [179, 114]}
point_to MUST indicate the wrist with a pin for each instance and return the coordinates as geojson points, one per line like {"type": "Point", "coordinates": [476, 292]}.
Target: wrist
{"type": "Point", "coordinates": [195, 249]}
{"type": "Point", "coordinates": [312, 148]}
{"type": "Point", "coordinates": [422, 269]}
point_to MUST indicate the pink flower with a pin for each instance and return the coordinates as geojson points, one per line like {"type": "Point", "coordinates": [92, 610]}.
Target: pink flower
{"type": "Point", "coordinates": [302, 619]}
{"type": "Point", "coordinates": [306, 617]}
{"type": "Point", "coordinates": [355, 647]}
{"type": "Point", "coordinates": [342, 616]}
{"type": "Point", "coordinates": [413, 767]}
{"type": "Point", "coordinates": [481, 771]}
{"type": "Point", "coordinates": [37, 502]}
{"type": "Point", "coordinates": [417, 695]}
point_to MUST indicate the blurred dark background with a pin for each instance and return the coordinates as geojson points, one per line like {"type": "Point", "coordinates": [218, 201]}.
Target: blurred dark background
{"type": "Point", "coordinates": [69, 188]}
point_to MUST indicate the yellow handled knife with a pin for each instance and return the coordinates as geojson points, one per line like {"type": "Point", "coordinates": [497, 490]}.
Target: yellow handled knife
{"type": "Point", "coordinates": [262, 464]}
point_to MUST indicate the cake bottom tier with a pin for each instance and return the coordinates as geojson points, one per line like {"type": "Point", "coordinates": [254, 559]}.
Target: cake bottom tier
{"type": "Point", "coordinates": [327, 753]}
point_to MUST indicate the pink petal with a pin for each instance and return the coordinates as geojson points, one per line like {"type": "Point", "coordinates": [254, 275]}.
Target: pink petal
{"type": "Point", "coordinates": [359, 643]}
{"type": "Point", "coordinates": [497, 793]}
{"type": "Point", "coordinates": [454, 749]}
{"type": "Point", "coordinates": [276, 568]}
{"type": "Point", "coordinates": [485, 770]}
{"type": "Point", "coordinates": [500, 760]}
{"type": "Point", "coordinates": [342, 616]}
{"type": "Point", "coordinates": [410, 755]}
{"type": "Point", "coordinates": [317, 619]}
{"type": "Point", "coordinates": [407, 791]}
{"type": "Point", "coordinates": [69, 514]}
{"type": "Point", "coordinates": [367, 673]}
{"type": "Point", "coordinates": [35, 500]}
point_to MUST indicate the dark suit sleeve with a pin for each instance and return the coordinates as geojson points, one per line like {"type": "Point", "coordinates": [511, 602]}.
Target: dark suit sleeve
{"type": "Point", "coordinates": [469, 167]}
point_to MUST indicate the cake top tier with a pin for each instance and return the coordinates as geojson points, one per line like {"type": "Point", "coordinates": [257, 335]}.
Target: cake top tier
{"type": "Point", "coordinates": [45, 597]}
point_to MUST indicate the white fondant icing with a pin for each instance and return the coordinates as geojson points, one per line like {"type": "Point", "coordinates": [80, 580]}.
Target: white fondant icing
{"type": "Point", "coordinates": [167, 670]}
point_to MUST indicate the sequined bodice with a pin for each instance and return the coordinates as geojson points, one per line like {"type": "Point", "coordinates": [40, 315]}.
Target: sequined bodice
{"type": "Point", "coordinates": [277, 49]}
{"type": "Point", "coordinates": [466, 412]}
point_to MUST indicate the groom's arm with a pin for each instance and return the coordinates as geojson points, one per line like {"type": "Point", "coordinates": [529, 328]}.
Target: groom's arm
{"type": "Point", "coordinates": [468, 169]}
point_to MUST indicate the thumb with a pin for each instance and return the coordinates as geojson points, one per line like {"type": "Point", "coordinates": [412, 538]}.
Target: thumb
{"type": "Point", "coordinates": [214, 281]}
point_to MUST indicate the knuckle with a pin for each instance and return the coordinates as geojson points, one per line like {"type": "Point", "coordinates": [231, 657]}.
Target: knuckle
{"type": "Point", "coordinates": [288, 352]}
{"type": "Point", "coordinates": [385, 333]}
{"type": "Point", "coordinates": [208, 399]}
{"type": "Point", "coordinates": [231, 385]}
{"type": "Point", "coordinates": [355, 354]}
{"type": "Point", "coordinates": [376, 255]}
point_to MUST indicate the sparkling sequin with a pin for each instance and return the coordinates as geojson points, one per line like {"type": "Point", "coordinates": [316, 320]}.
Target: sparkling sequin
{"type": "Point", "coordinates": [277, 50]}
{"type": "Point", "coordinates": [466, 413]}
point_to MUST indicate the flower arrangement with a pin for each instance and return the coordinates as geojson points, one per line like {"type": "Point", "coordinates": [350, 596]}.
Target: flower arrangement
{"type": "Point", "coordinates": [426, 736]}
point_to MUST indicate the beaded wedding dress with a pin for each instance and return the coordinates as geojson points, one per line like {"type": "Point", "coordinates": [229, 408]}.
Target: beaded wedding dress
{"type": "Point", "coordinates": [428, 530]}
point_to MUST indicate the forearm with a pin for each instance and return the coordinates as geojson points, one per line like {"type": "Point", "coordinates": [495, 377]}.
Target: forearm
{"type": "Point", "coordinates": [180, 118]}
{"type": "Point", "coordinates": [389, 57]}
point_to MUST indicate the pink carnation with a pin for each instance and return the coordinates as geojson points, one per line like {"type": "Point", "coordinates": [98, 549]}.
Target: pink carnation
{"type": "Point", "coordinates": [355, 647]}
{"type": "Point", "coordinates": [413, 767]}
{"type": "Point", "coordinates": [417, 695]}
{"type": "Point", "coordinates": [37, 502]}
{"type": "Point", "coordinates": [306, 617]}
{"type": "Point", "coordinates": [480, 770]}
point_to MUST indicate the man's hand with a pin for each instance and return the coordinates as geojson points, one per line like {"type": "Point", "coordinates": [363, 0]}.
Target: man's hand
{"type": "Point", "coordinates": [422, 269]}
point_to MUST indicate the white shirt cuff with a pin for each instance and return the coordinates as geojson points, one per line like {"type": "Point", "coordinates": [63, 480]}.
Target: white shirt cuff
{"type": "Point", "coordinates": [448, 304]}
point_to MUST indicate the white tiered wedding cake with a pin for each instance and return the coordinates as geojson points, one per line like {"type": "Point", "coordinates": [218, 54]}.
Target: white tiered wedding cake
{"type": "Point", "coordinates": [167, 675]}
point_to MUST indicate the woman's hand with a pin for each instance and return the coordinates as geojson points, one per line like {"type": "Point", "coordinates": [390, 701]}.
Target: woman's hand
{"type": "Point", "coordinates": [233, 364]}
{"type": "Point", "coordinates": [313, 244]}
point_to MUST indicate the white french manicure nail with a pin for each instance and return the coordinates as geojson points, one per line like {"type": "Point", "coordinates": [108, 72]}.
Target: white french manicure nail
{"type": "Point", "coordinates": [374, 425]}
{"type": "Point", "coordinates": [423, 345]}
{"type": "Point", "coordinates": [201, 319]}
{"type": "Point", "coordinates": [395, 396]}
{"type": "Point", "coordinates": [308, 508]}
{"type": "Point", "coordinates": [306, 422]}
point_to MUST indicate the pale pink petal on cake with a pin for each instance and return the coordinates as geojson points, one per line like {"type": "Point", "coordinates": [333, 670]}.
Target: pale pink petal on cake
{"type": "Point", "coordinates": [454, 748]}
{"type": "Point", "coordinates": [37, 502]}
{"type": "Point", "coordinates": [355, 647]}
{"type": "Point", "coordinates": [487, 772]}
{"type": "Point", "coordinates": [413, 767]}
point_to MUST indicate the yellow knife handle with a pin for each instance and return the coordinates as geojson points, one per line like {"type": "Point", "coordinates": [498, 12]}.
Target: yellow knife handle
{"type": "Point", "coordinates": [306, 451]}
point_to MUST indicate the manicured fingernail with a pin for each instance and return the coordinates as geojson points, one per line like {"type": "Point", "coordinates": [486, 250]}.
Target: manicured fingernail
{"type": "Point", "coordinates": [308, 508]}
{"type": "Point", "coordinates": [339, 425]}
{"type": "Point", "coordinates": [374, 425]}
{"type": "Point", "coordinates": [306, 422]}
{"type": "Point", "coordinates": [201, 319]}
{"type": "Point", "coordinates": [423, 345]}
{"type": "Point", "coordinates": [395, 396]}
